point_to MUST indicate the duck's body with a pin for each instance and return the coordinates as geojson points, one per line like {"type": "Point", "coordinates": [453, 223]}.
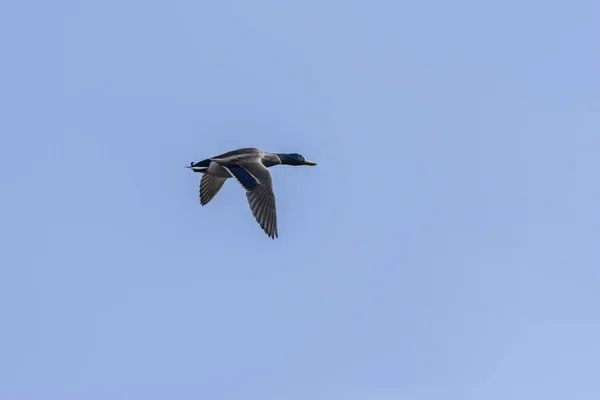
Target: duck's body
{"type": "Point", "coordinates": [249, 167]}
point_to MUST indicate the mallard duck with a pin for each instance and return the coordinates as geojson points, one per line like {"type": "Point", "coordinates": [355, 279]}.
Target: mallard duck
{"type": "Point", "coordinates": [249, 167]}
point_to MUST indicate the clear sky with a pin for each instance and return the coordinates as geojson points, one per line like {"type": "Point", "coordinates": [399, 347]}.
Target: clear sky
{"type": "Point", "coordinates": [445, 247]}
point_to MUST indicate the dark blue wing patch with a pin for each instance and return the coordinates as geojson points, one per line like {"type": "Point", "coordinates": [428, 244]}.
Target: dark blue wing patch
{"type": "Point", "coordinates": [247, 180]}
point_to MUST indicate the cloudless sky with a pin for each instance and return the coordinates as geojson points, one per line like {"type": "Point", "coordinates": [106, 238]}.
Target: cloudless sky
{"type": "Point", "coordinates": [445, 247]}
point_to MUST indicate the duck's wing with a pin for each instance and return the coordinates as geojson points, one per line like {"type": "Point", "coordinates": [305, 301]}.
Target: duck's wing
{"type": "Point", "coordinates": [256, 179]}
{"type": "Point", "coordinates": [247, 151]}
{"type": "Point", "coordinates": [209, 187]}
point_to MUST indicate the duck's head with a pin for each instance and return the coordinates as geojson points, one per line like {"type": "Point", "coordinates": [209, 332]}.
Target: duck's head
{"type": "Point", "coordinates": [294, 159]}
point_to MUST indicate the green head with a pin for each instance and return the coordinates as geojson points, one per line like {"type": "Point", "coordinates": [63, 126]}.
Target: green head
{"type": "Point", "coordinates": [294, 159]}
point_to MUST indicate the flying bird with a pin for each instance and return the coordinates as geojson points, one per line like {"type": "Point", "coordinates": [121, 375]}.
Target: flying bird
{"type": "Point", "coordinates": [249, 167]}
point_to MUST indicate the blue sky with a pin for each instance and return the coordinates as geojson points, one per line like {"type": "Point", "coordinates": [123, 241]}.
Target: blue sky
{"type": "Point", "coordinates": [445, 247]}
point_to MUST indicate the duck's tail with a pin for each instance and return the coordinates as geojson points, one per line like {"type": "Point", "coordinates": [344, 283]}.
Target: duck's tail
{"type": "Point", "coordinates": [200, 166]}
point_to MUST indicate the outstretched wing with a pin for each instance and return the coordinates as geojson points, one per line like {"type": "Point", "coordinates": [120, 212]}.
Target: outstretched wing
{"type": "Point", "coordinates": [256, 179]}
{"type": "Point", "coordinates": [209, 187]}
{"type": "Point", "coordinates": [251, 151]}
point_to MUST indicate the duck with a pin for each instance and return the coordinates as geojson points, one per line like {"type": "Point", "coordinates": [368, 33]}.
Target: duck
{"type": "Point", "coordinates": [250, 167]}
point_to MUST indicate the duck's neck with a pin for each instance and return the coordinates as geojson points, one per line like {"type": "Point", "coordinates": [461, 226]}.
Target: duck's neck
{"type": "Point", "coordinates": [270, 159]}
